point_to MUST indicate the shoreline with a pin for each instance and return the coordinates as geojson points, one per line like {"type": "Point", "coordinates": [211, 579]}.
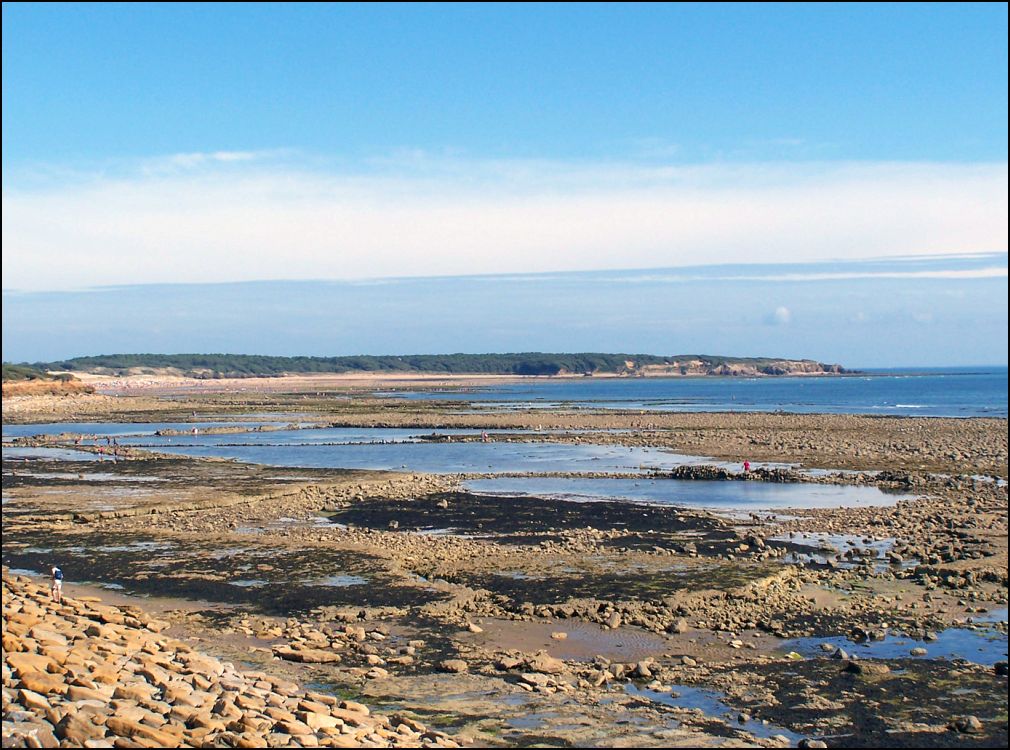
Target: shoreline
{"type": "Point", "coordinates": [508, 620]}
{"type": "Point", "coordinates": [118, 384]}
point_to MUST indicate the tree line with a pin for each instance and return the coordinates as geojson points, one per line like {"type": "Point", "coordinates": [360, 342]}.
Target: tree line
{"type": "Point", "coordinates": [247, 365]}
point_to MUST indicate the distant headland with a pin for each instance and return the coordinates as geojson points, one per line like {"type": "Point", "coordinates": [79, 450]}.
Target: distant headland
{"type": "Point", "coordinates": [519, 364]}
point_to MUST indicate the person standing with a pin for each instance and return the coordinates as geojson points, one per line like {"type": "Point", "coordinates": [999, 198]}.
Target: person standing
{"type": "Point", "coordinates": [56, 589]}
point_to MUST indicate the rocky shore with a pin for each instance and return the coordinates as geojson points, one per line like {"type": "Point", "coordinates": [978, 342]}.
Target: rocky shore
{"type": "Point", "coordinates": [519, 621]}
{"type": "Point", "coordinates": [83, 674]}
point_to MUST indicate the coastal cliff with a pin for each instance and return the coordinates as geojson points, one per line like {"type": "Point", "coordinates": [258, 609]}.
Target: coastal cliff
{"type": "Point", "coordinates": [742, 368]}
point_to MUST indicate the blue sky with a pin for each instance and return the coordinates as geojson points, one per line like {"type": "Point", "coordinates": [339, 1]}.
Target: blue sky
{"type": "Point", "coordinates": [899, 312]}
{"type": "Point", "coordinates": [177, 151]}
{"type": "Point", "coordinates": [895, 82]}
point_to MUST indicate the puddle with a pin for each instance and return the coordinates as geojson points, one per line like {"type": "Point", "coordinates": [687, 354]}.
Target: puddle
{"type": "Point", "coordinates": [717, 495]}
{"type": "Point", "coordinates": [842, 550]}
{"type": "Point", "coordinates": [249, 583]}
{"type": "Point", "coordinates": [533, 720]}
{"type": "Point", "coordinates": [386, 449]}
{"type": "Point", "coordinates": [339, 581]}
{"type": "Point", "coordinates": [138, 546]}
{"type": "Point", "coordinates": [97, 476]}
{"type": "Point", "coordinates": [52, 454]}
{"type": "Point", "coordinates": [432, 532]}
{"type": "Point", "coordinates": [996, 615]}
{"type": "Point", "coordinates": [711, 704]}
{"type": "Point", "coordinates": [984, 646]}
{"type": "Point", "coordinates": [25, 572]}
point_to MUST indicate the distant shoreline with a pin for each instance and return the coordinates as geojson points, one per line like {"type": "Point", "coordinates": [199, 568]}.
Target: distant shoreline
{"type": "Point", "coordinates": [577, 364]}
{"type": "Point", "coordinates": [158, 384]}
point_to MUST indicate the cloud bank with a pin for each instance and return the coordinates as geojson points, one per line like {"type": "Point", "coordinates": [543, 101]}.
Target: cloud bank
{"type": "Point", "coordinates": [240, 216]}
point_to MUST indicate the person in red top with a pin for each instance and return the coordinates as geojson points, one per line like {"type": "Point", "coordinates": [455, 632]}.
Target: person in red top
{"type": "Point", "coordinates": [746, 465]}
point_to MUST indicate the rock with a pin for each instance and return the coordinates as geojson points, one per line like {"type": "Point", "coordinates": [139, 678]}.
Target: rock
{"type": "Point", "coordinates": [687, 661]}
{"type": "Point", "coordinates": [22, 663]}
{"type": "Point", "coordinates": [867, 668]}
{"type": "Point", "coordinates": [359, 708]}
{"type": "Point", "coordinates": [505, 663]}
{"type": "Point", "coordinates": [412, 724]}
{"type": "Point", "coordinates": [31, 700]}
{"type": "Point", "coordinates": [43, 682]}
{"type": "Point", "coordinates": [1000, 668]}
{"type": "Point", "coordinates": [559, 636]}
{"type": "Point", "coordinates": [544, 663]}
{"type": "Point", "coordinates": [536, 680]}
{"type": "Point", "coordinates": [316, 721]}
{"type": "Point", "coordinates": [453, 666]}
{"type": "Point", "coordinates": [122, 686]}
{"type": "Point", "coordinates": [137, 730]}
{"type": "Point", "coordinates": [918, 651]}
{"type": "Point", "coordinates": [967, 725]}
{"type": "Point", "coordinates": [76, 730]}
{"type": "Point", "coordinates": [307, 655]}
{"type": "Point", "coordinates": [293, 727]}
{"type": "Point", "coordinates": [135, 691]}
{"type": "Point", "coordinates": [642, 670]}
{"type": "Point", "coordinates": [807, 743]}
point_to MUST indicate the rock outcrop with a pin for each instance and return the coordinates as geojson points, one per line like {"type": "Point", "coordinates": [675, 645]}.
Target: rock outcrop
{"type": "Point", "coordinates": [82, 674]}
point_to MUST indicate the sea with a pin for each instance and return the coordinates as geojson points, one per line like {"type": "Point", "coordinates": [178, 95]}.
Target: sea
{"type": "Point", "coordinates": [923, 392]}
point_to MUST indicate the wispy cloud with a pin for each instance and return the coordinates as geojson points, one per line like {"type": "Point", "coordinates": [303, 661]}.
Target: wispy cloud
{"type": "Point", "coordinates": [239, 216]}
{"type": "Point", "coordinates": [196, 159]}
{"type": "Point", "coordinates": [994, 272]}
{"type": "Point", "coordinates": [192, 161]}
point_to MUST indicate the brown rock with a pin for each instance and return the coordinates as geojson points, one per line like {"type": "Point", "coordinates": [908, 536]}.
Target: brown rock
{"type": "Point", "coordinates": [23, 663]}
{"type": "Point", "coordinates": [31, 700]}
{"type": "Point", "coordinates": [545, 663]}
{"type": "Point", "coordinates": [307, 655]}
{"type": "Point", "coordinates": [295, 728]}
{"type": "Point", "coordinates": [317, 721]}
{"type": "Point", "coordinates": [138, 731]}
{"type": "Point", "coordinates": [77, 730]}
{"type": "Point", "coordinates": [134, 691]}
{"type": "Point", "coordinates": [354, 706]}
{"type": "Point", "coordinates": [78, 693]}
{"type": "Point", "coordinates": [43, 682]}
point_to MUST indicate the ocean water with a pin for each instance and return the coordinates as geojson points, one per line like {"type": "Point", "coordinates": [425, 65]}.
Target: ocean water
{"type": "Point", "coordinates": [936, 392]}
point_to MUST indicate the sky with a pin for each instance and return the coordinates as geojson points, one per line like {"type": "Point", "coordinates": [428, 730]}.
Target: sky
{"type": "Point", "coordinates": [232, 176]}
